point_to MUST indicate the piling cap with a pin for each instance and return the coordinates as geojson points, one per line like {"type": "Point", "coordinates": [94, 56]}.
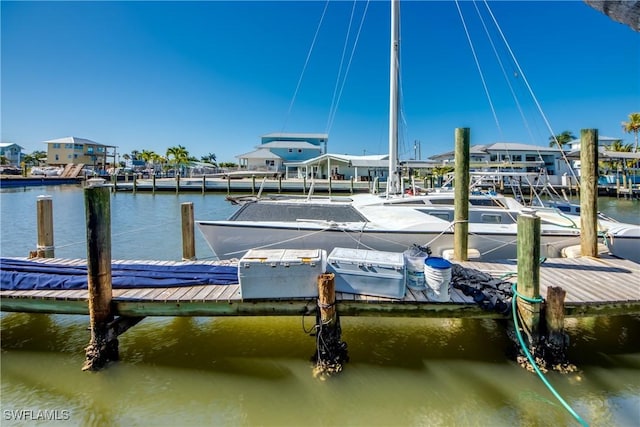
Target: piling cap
{"type": "Point", "coordinates": [437, 262]}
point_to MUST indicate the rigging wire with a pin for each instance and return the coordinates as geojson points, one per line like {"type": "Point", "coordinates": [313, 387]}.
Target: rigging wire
{"type": "Point", "coordinates": [304, 67]}
{"type": "Point", "coordinates": [336, 101]}
{"type": "Point", "coordinates": [475, 58]}
{"type": "Point", "coordinates": [526, 82]}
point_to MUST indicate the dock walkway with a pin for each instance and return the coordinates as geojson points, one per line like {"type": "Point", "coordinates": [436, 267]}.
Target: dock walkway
{"type": "Point", "coordinates": [603, 286]}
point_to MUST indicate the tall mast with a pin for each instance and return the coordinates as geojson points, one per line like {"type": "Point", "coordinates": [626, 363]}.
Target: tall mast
{"type": "Point", "coordinates": [393, 179]}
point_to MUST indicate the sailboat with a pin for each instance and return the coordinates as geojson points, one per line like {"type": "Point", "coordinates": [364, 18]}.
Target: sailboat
{"type": "Point", "coordinates": [396, 221]}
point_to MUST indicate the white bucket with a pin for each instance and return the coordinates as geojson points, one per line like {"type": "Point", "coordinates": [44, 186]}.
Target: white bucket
{"type": "Point", "coordinates": [414, 262]}
{"type": "Point", "coordinates": [437, 274]}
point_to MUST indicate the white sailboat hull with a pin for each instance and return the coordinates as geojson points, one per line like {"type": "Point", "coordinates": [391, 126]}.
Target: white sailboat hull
{"type": "Point", "coordinates": [232, 239]}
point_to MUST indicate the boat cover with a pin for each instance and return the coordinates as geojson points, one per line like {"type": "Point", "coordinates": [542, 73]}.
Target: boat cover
{"type": "Point", "coordinates": [26, 274]}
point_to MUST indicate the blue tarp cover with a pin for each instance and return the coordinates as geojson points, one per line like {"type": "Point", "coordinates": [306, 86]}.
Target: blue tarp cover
{"type": "Point", "coordinates": [25, 274]}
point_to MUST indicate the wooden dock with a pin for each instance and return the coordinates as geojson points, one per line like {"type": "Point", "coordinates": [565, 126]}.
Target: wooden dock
{"type": "Point", "coordinates": [594, 286]}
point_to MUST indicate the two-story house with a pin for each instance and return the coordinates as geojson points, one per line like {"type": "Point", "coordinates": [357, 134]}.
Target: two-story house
{"type": "Point", "coordinates": [12, 153]}
{"type": "Point", "coordinates": [74, 150]}
{"type": "Point", "coordinates": [276, 149]}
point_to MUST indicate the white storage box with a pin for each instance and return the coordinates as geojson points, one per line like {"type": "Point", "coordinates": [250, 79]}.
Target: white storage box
{"type": "Point", "coordinates": [281, 273]}
{"type": "Point", "coordinates": [360, 271]}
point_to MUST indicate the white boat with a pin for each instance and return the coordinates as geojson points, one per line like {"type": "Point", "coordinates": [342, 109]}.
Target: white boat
{"type": "Point", "coordinates": [396, 221]}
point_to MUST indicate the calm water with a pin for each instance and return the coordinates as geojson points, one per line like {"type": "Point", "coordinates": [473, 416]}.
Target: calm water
{"type": "Point", "coordinates": [256, 371]}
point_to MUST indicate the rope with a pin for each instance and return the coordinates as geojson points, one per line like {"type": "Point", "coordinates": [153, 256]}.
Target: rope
{"type": "Point", "coordinates": [530, 357]}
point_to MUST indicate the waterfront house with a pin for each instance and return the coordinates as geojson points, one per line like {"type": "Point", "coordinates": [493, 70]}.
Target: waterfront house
{"type": "Point", "coordinates": [277, 148]}
{"type": "Point", "coordinates": [80, 151]}
{"type": "Point", "coordinates": [512, 157]}
{"type": "Point", "coordinates": [12, 153]}
{"type": "Point", "coordinates": [340, 167]}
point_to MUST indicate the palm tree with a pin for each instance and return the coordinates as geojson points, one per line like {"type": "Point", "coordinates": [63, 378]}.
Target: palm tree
{"type": "Point", "coordinates": [209, 158]}
{"type": "Point", "coordinates": [147, 156]}
{"type": "Point", "coordinates": [179, 154]}
{"type": "Point", "coordinates": [633, 126]}
{"type": "Point", "coordinates": [561, 139]}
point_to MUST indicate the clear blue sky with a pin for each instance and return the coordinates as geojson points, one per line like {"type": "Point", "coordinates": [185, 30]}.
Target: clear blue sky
{"type": "Point", "coordinates": [215, 76]}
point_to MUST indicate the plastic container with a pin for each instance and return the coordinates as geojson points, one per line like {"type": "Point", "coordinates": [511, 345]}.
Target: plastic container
{"type": "Point", "coordinates": [437, 274]}
{"type": "Point", "coordinates": [414, 260]}
{"type": "Point", "coordinates": [281, 273]}
{"type": "Point", "coordinates": [365, 272]}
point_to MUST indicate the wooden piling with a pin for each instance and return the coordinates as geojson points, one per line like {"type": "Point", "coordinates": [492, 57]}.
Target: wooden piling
{"type": "Point", "coordinates": [153, 184]}
{"type": "Point", "coordinates": [327, 298]}
{"type": "Point", "coordinates": [135, 183]}
{"type": "Point", "coordinates": [304, 184]}
{"type": "Point", "coordinates": [188, 238]}
{"type": "Point", "coordinates": [329, 186]}
{"type": "Point", "coordinates": [44, 214]}
{"type": "Point", "coordinates": [529, 273]}
{"type": "Point", "coordinates": [228, 184]}
{"type": "Point", "coordinates": [178, 183]}
{"type": "Point", "coordinates": [279, 184]}
{"type": "Point", "coordinates": [204, 184]}
{"type": "Point", "coordinates": [351, 185]}
{"type": "Point", "coordinates": [589, 192]}
{"type": "Point", "coordinates": [461, 196]}
{"type": "Point", "coordinates": [331, 352]}
{"type": "Point", "coordinates": [101, 348]}
{"type": "Point", "coordinates": [253, 185]}
{"type": "Point", "coordinates": [554, 316]}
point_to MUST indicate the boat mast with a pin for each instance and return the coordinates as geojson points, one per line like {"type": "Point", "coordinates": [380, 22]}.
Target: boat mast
{"type": "Point", "coordinates": [393, 179]}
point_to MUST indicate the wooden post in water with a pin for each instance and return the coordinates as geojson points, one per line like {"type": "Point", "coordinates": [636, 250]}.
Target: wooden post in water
{"type": "Point", "coordinates": [554, 316]}
{"type": "Point", "coordinates": [529, 272]}
{"type": "Point", "coordinates": [351, 184]}
{"type": "Point", "coordinates": [329, 185]}
{"type": "Point", "coordinates": [44, 215]}
{"type": "Point", "coordinates": [177, 183]}
{"type": "Point", "coordinates": [153, 183]}
{"type": "Point", "coordinates": [101, 349]}
{"type": "Point", "coordinates": [188, 238]}
{"type": "Point", "coordinates": [253, 185]}
{"type": "Point", "coordinates": [461, 196]}
{"type": "Point", "coordinates": [204, 184]}
{"type": "Point", "coordinates": [134, 185]}
{"type": "Point", "coordinates": [331, 352]}
{"type": "Point", "coordinates": [279, 184]}
{"type": "Point", "coordinates": [589, 192]}
{"type": "Point", "coordinates": [228, 184]}
{"type": "Point", "coordinates": [304, 184]}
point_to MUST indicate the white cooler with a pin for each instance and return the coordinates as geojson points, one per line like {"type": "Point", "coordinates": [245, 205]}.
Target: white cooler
{"type": "Point", "coordinates": [281, 273]}
{"type": "Point", "coordinates": [360, 271]}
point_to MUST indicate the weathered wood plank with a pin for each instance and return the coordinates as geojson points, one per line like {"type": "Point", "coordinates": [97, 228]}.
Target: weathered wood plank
{"type": "Point", "coordinates": [594, 287]}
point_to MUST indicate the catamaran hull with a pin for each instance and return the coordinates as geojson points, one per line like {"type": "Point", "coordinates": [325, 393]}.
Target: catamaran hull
{"type": "Point", "coordinates": [232, 240]}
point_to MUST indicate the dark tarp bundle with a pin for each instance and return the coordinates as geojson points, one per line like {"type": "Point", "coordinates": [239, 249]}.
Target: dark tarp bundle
{"type": "Point", "coordinates": [489, 293]}
{"type": "Point", "coordinates": [24, 274]}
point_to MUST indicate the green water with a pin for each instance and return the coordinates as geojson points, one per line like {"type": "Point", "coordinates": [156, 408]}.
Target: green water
{"type": "Point", "coordinates": [256, 371]}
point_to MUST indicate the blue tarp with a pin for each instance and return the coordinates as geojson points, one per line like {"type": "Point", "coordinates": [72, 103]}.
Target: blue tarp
{"type": "Point", "coordinates": [25, 274]}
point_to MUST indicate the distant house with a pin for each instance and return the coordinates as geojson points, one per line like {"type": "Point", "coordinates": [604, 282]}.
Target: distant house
{"type": "Point", "coordinates": [74, 150]}
{"type": "Point", "coordinates": [277, 148]}
{"type": "Point", "coordinates": [340, 166]}
{"type": "Point", "coordinates": [513, 157]}
{"type": "Point", "coordinates": [11, 152]}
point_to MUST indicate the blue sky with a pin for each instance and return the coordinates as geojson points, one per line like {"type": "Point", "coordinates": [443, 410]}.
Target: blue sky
{"type": "Point", "coordinates": [215, 76]}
